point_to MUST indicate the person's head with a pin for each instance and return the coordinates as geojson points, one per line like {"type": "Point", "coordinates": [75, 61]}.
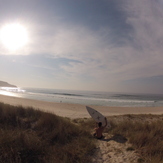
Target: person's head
{"type": "Point", "coordinates": [99, 124]}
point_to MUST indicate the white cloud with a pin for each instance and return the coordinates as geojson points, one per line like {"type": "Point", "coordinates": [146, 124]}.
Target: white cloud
{"type": "Point", "coordinates": [141, 57]}
{"type": "Point", "coordinates": [101, 58]}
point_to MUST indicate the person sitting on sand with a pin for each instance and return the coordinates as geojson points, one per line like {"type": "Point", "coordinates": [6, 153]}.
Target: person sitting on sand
{"type": "Point", "coordinates": [99, 130]}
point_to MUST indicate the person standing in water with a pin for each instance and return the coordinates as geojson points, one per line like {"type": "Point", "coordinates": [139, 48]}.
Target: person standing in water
{"type": "Point", "coordinates": [99, 130]}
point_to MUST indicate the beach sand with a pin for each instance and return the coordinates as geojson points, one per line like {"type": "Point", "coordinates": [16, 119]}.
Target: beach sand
{"type": "Point", "coordinates": [112, 149]}
{"type": "Point", "coordinates": [77, 110]}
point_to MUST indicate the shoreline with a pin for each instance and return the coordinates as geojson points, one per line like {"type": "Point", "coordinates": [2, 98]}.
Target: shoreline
{"type": "Point", "coordinates": [77, 110]}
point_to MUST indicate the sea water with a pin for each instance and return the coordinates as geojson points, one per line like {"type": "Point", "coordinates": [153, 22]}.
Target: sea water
{"type": "Point", "coordinates": [86, 97]}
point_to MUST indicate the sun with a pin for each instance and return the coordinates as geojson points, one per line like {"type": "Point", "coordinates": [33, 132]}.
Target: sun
{"type": "Point", "coordinates": [13, 36]}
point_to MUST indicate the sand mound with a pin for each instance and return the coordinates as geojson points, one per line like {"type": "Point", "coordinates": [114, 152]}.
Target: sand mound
{"type": "Point", "coordinates": [114, 149]}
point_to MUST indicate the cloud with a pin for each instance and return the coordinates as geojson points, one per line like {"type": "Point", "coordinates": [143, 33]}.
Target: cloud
{"type": "Point", "coordinates": [97, 54]}
{"type": "Point", "coordinates": [146, 19]}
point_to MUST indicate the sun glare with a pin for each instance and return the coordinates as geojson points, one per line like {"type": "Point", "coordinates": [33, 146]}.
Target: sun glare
{"type": "Point", "coordinates": [13, 36]}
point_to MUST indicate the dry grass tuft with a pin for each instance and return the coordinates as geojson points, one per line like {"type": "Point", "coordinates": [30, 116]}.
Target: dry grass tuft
{"type": "Point", "coordinates": [145, 135]}
{"type": "Point", "coordinates": [29, 135]}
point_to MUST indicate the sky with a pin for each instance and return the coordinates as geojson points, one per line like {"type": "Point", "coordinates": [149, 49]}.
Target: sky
{"type": "Point", "coordinates": [99, 45]}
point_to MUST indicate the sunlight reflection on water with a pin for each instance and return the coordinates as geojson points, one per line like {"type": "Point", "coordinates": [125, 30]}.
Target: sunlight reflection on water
{"type": "Point", "coordinates": [10, 91]}
{"type": "Point", "coordinates": [7, 93]}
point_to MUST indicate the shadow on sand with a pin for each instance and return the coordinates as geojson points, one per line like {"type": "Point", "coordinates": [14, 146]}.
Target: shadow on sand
{"type": "Point", "coordinates": [118, 138]}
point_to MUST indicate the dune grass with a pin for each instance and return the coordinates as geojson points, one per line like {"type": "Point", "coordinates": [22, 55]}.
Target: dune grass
{"type": "Point", "coordinates": [145, 133]}
{"type": "Point", "coordinates": [28, 135]}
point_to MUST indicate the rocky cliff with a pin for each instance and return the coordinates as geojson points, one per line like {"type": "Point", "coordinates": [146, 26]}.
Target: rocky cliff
{"type": "Point", "coordinates": [5, 84]}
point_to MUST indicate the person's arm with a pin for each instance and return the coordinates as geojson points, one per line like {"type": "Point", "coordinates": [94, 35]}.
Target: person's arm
{"type": "Point", "coordinates": [96, 125]}
{"type": "Point", "coordinates": [106, 122]}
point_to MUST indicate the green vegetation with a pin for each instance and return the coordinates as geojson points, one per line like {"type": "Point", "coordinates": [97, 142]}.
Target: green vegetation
{"type": "Point", "coordinates": [28, 135]}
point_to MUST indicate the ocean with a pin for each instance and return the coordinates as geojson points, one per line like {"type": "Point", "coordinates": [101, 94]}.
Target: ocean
{"type": "Point", "coordinates": [86, 97]}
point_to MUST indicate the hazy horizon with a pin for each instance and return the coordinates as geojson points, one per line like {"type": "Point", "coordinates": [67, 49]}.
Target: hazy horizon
{"type": "Point", "coordinates": [107, 45]}
{"type": "Point", "coordinates": [22, 89]}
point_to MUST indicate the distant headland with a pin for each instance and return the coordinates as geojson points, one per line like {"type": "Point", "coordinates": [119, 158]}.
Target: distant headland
{"type": "Point", "coordinates": [5, 84]}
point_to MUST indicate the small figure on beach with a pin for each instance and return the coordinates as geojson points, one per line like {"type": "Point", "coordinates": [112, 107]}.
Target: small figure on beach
{"type": "Point", "coordinates": [99, 129]}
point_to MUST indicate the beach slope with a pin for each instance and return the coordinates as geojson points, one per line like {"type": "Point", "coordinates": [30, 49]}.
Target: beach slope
{"type": "Point", "coordinates": [77, 110]}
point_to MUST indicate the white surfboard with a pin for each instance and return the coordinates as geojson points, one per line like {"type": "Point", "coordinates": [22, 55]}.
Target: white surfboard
{"type": "Point", "coordinates": [97, 116]}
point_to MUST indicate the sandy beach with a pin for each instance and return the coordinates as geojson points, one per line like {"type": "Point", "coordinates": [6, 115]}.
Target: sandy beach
{"type": "Point", "coordinates": [77, 110]}
{"type": "Point", "coordinates": [113, 148]}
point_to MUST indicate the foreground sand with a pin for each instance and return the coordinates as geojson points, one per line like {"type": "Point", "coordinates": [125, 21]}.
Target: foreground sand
{"type": "Point", "coordinates": [113, 149]}
{"type": "Point", "coordinates": [77, 110]}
